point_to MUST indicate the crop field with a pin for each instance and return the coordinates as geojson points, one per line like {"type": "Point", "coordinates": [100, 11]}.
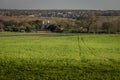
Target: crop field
{"type": "Point", "coordinates": [55, 56]}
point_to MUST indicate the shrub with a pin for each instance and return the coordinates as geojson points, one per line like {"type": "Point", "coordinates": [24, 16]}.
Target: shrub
{"type": "Point", "coordinates": [74, 31]}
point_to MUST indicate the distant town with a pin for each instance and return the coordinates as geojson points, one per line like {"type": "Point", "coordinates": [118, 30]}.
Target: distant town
{"type": "Point", "coordinates": [56, 12]}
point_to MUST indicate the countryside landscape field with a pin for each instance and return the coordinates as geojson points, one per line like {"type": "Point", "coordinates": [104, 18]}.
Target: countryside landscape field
{"type": "Point", "coordinates": [63, 56]}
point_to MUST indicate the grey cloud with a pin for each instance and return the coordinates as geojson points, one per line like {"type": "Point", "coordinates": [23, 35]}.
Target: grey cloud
{"type": "Point", "coordinates": [60, 4]}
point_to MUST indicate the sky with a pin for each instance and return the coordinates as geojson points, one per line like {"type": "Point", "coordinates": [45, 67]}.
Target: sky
{"type": "Point", "coordinates": [61, 4]}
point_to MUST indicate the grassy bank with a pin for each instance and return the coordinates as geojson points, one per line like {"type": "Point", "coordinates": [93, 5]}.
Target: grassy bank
{"type": "Point", "coordinates": [35, 56]}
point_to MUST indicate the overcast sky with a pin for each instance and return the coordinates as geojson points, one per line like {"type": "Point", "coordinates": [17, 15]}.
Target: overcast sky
{"type": "Point", "coordinates": [61, 4]}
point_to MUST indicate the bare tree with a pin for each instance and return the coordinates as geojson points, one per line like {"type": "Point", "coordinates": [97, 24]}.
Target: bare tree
{"type": "Point", "coordinates": [1, 26]}
{"type": "Point", "coordinates": [107, 26]}
{"type": "Point", "coordinates": [86, 20]}
{"type": "Point", "coordinates": [118, 24]}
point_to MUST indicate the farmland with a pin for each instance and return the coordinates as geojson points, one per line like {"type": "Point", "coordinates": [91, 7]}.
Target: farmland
{"type": "Point", "coordinates": [54, 56]}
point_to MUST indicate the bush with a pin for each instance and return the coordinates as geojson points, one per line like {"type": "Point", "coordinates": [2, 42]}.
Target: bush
{"type": "Point", "coordinates": [74, 31]}
{"type": "Point", "coordinates": [28, 29]}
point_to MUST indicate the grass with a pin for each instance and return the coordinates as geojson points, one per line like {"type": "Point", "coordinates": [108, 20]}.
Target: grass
{"type": "Point", "coordinates": [37, 56]}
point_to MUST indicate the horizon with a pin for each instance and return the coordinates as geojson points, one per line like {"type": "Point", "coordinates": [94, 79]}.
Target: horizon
{"type": "Point", "coordinates": [58, 9]}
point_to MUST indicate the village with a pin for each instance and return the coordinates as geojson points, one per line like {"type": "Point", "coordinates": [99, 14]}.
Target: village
{"type": "Point", "coordinates": [64, 13]}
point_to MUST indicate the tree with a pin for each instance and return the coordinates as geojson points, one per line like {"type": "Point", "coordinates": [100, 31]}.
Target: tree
{"type": "Point", "coordinates": [37, 24]}
{"type": "Point", "coordinates": [95, 27]}
{"type": "Point", "coordinates": [107, 26]}
{"type": "Point", "coordinates": [86, 20]}
{"type": "Point", "coordinates": [27, 26]}
{"type": "Point", "coordinates": [118, 24]}
{"type": "Point", "coordinates": [1, 26]}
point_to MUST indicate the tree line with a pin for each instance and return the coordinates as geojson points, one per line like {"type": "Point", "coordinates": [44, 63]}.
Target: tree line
{"type": "Point", "coordinates": [85, 23]}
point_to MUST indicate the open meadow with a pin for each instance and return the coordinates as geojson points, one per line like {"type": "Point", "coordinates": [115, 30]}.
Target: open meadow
{"type": "Point", "coordinates": [55, 56]}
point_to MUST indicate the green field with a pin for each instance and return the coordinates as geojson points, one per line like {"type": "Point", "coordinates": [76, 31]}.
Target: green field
{"type": "Point", "coordinates": [50, 56]}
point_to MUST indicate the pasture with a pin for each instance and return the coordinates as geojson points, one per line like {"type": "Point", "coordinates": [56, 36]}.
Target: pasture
{"type": "Point", "coordinates": [54, 56]}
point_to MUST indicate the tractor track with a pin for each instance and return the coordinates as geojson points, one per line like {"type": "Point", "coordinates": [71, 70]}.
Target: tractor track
{"type": "Point", "coordinates": [91, 50]}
